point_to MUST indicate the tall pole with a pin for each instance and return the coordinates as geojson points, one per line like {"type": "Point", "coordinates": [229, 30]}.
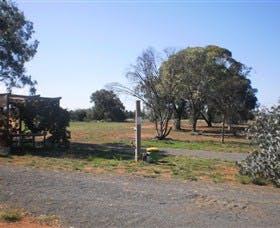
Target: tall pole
{"type": "Point", "coordinates": [138, 131]}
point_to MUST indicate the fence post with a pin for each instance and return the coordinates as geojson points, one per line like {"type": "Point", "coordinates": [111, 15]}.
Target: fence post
{"type": "Point", "coordinates": [138, 131]}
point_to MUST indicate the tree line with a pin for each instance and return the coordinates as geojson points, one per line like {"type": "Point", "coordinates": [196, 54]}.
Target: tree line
{"type": "Point", "coordinates": [201, 82]}
{"type": "Point", "coordinates": [107, 106]}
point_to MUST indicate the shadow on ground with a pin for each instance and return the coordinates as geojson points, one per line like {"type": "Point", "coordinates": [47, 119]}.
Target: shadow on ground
{"type": "Point", "coordinates": [118, 151]}
{"type": "Point", "coordinates": [82, 151]}
{"type": "Point", "coordinates": [216, 131]}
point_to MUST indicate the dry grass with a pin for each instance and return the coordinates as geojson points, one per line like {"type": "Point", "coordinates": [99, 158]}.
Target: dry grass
{"type": "Point", "coordinates": [11, 215]}
{"type": "Point", "coordinates": [209, 138]}
{"type": "Point", "coordinates": [14, 218]}
{"type": "Point", "coordinates": [99, 147]}
{"type": "Point", "coordinates": [164, 167]}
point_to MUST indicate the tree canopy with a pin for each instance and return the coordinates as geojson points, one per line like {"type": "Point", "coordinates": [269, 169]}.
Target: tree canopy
{"type": "Point", "coordinates": [107, 106]}
{"type": "Point", "coordinates": [16, 47]}
{"type": "Point", "coordinates": [187, 72]}
{"type": "Point", "coordinates": [203, 81]}
{"type": "Point", "coordinates": [209, 80]}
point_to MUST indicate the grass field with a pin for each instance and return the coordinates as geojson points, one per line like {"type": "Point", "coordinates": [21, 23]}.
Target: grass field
{"type": "Point", "coordinates": [100, 147]}
{"type": "Point", "coordinates": [103, 133]}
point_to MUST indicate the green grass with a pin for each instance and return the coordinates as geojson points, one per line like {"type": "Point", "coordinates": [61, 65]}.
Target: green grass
{"type": "Point", "coordinates": [179, 167]}
{"type": "Point", "coordinates": [112, 132]}
{"type": "Point", "coordinates": [188, 168]}
{"type": "Point", "coordinates": [101, 146]}
{"type": "Point", "coordinates": [203, 145]}
{"type": "Point", "coordinates": [243, 179]}
{"type": "Point", "coordinates": [10, 215]}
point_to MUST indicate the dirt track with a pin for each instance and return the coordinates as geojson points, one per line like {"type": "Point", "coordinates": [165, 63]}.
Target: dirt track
{"type": "Point", "coordinates": [84, 200]}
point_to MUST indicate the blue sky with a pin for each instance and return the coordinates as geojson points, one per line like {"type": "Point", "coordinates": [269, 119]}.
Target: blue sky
{"type": "Point", "coordinates": [86, 44]}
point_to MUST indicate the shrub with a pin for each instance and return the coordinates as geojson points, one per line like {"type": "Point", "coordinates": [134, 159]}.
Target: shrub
{"type": "Point", "coordinates": [264, 163]}
{"type": "Point", "coordinates": [11, 215]}
{"type": "Point", "coordinates": [46, 115]}
{"type": "Point", "coordinates": [244, 179]}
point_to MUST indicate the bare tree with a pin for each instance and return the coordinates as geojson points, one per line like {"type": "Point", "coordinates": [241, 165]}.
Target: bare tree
{"type": "Point", "coordinates": [147, 86]}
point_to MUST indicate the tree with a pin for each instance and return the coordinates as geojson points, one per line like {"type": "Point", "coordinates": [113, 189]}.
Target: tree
{"type": "Point", "coordinates": [186, 74]}
{"type": "Point", "coordinates": [78, 114]}
{"type": "Point", "coordinates": [107, 106]}
{"type": "Point", "coordinates": [148, 87]}
{"type": "Point", "coordinates": [16, 47]}
{"type": "Point", "coordinates": [173, 84]}
{"type": "Point", "coordinates": [229, 89]}
{"type": "Point", "coordinates": [265, 133]}
{"type": "Point", "coordinates": [210, 82]}
{"type": "Point", "coordinates": [145, 75]}
{"type": "Point", "coordinates": [131, 115]}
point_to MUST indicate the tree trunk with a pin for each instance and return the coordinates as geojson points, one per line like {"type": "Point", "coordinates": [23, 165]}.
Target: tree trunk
{"type": "Point", "coordinates": [163, 130]}
{"type": "Point", "coordinates": [207, 120]}
{"type": "Point", "coordinates": [178, 112]}
{"type": "Point", "coordinates": [210, 118]}
{"type": "Point", "coordinates": [177, 123]}
{"type": "Point", "coordinates": [223, 129]}
{"type": "Point", "coordinates": [194, 117]}
{"type": "Point", "coordinates": [194, 122]}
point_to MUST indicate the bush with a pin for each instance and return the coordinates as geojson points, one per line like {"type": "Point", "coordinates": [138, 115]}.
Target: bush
{"type": "Point", "coordinates": [46, 115]}
{"type": "Point", "coordinates": [58, 128]}
{"type": "Point", "coordinates": [11, 215]}
{"type": "Point", "coordinates": [244, 179]}
{"type": "Point", "coordinates": [265, 133]}
{"type": "Point", "coordinates": [78, 114]}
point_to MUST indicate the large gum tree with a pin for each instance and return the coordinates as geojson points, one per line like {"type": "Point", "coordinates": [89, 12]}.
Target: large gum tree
{"type": "Point", "coordinates": [16, 47]}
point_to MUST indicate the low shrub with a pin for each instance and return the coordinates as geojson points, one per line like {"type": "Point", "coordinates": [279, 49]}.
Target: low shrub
{"type": "Point", "coordinates": [11, 215]}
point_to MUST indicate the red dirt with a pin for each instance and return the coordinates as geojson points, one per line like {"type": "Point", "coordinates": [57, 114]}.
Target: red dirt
{"type": "Point", "coordinates": [26, 222]}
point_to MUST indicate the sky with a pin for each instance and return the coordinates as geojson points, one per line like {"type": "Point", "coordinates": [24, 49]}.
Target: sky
{"type": "Point", "coordinates": [85, 45]}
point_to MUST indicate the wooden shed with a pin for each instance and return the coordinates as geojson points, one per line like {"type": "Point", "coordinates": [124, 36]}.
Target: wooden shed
{"type": "Point", "coordinates": [11, 124]}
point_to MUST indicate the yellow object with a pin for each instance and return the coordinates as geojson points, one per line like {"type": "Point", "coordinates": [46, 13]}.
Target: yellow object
{"type": "Point", "coordinates": [152, 149]}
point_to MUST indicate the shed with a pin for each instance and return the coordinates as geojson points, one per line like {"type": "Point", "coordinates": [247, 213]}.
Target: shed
{"type": "Point", "coordinates": [11, 124]}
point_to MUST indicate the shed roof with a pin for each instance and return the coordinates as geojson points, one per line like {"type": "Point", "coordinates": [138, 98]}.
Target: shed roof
{"type": "Point", "coordinates": [6, 98]}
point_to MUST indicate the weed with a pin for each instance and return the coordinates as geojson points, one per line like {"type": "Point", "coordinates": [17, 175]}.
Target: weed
{"type": "Point", "coordinates": [49, 220]}
{"type": "Point", "coordinates": [243, 179]}
{"type": "Point", "coordinates": [11, 215]}
{"type": "Point", "coordinates": [260, 181]}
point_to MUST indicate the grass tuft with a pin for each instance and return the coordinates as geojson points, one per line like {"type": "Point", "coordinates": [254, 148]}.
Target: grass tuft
{"type": "Point", "coordinates": [244, 179]}
{"type": "Point", "coordinates": [49, 220]}
{"type": "Point", "coordinates": [260, 181]}
{"type": "Point", "coordinates": [11, 215]}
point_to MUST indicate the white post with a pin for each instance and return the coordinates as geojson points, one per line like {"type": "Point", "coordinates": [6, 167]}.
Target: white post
{"type": "Point", "coordinates": [138, 131]}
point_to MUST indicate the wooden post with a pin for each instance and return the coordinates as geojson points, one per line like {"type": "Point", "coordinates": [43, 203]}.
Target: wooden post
{"type": "Point", "coordinates": [137, 131]}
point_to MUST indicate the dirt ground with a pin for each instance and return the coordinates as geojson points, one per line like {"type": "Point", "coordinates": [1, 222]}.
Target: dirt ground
{"type": "Point", "coordinates": [24, 223]}
{"type": "Point", "coordinates": [111, 200]}
{"type": "Point", "coordinates": [94, 132]}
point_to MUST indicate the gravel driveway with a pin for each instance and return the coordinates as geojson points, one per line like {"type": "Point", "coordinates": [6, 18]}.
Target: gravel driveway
{"type": "Point", "coordinates": [226, 156]}
{"type": "Point", "coordinates": [86, 200]}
